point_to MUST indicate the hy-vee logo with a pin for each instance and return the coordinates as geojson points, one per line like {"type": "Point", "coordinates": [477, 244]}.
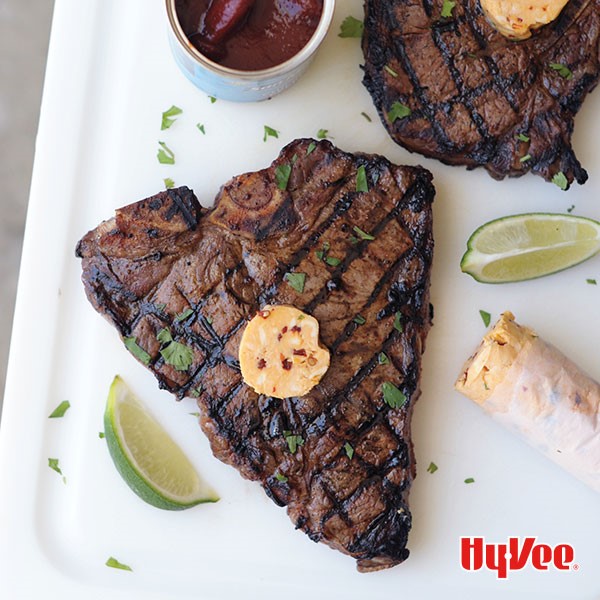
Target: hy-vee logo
{"type": "Point", "coordinates": [514, 555]}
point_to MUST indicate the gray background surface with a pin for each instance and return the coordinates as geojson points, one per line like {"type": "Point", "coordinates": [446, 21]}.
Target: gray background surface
{"type": "Point", "coordinates": [24, 32]}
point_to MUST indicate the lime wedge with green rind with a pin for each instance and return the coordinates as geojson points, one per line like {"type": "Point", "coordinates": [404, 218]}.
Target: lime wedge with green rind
{"type": "Point", "coordinates": [147, 458]}
{"type": "Point", "coordinates": [528, 246]}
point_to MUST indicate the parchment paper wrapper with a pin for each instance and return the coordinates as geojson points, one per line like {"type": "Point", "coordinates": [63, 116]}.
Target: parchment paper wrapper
{"type": "Point", "coordinates": [541, 395]}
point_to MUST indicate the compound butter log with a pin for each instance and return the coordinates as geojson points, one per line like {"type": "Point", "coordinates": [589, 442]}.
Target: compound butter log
{"type": "Point", "coordinates": [530, 387]}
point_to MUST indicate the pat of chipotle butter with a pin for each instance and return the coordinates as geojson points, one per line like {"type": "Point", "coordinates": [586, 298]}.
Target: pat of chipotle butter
{"type": "Point", "coordinates": [516, 19]}
{"type": "Point", "coordinates": [280, 353]}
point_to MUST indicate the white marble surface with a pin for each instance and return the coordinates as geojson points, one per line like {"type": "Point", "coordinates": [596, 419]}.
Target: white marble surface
{"type": "Point", "coordinates": [24, 30]}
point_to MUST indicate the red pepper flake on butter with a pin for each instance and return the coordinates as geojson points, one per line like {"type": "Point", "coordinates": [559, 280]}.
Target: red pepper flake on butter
{"type": "Point", "coordinates": [280, 358]}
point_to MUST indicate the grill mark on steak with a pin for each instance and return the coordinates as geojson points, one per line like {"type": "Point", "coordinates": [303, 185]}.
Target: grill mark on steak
{"type": "Point", "coordinates": [472, 92]}
{"type": "Point", "coordinates": [231, 261]}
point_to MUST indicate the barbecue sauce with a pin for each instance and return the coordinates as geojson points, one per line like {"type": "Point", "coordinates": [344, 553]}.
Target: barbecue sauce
{"type": "Point", "coordinates": [249, 35]}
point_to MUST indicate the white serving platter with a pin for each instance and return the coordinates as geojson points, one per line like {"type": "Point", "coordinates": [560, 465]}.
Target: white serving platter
{"type": "Point", "coordinates": [110, 75]}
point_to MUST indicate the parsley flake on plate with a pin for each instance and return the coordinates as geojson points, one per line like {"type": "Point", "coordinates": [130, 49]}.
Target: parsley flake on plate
{"type": "Point", "coordinates": [398, 111]}
{"type": "Point", "coordinates": [359, 320]}
{"type": "Point", "coordinates": [175, 353]}
{"type": "Point", "coordinates": [184, 315]}
{"type": "Point", "coordinates": [349, 450]}
{"type": "Point", "coordinates": [281, 478]}
{"type": "Point", "coordinates": [591, 281]}
{"type": "Point", "coordinates": [212, 99]}
{"type": "Point", "coordinates": [361, 179]}
{"type": "Point", "coordinates": [168, 117]}
{"type": "Point", "coordinates": [447, 8]}
{"type": "Point", "coordinates": [282, 176]}
{"type": "Point", "coordinates": [296, 281]}
{"type": "Point", "coordinates": [169, 183]}
{"type": "Point", "coordinates": [165, 155]}
{"type": "Point", "coordinates": [351, 28]}
{"type": "Point", "coordinates": [322, 134]}
{"type": "Point", "coordinates": [485, 317]}
{"type": "Point", "coordinates": [432, 468]}
{"type": "Point", "coordinates": [363, 235]}
{"type": "Point", "coordinates": [115, 564]}
{"type": "Point", "coordinates": [270, 132]}
{"type": "Point", "coordinates": [311, 148]}
{"type": "Point", "coordinates": [383, 359]}
{"type": "Point", "coordinates": [392, 396]}
{"type": "Point", "coordinates": [522, 137]}
{"type": "Point", "coordinates": [293, 441]}
{"type": "Point", "coordinates": [137, 351]}
{"type": "Point", "coordinates": [525, 158]}
{"type": "Point", "coordinates": [398, 322]}
{"type": "Point", "coordinates": [60, 410]}
{"type": "Point", "coordinates": [469, 480]}
{"type": "Point", "coordinates": [560, 180]}
{"type": "Point", "coordinates": [562, 70]}
{"type": "Point", "coordinates": [53, 464]}
{"type": "Point", "coordinates": [200, 127]}
{"type": "Point", "coordinates": [367, 117]}
{"type": "Point", "coordinates": [332, 261]}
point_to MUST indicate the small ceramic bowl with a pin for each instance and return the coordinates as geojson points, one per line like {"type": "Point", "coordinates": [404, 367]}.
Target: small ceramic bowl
{"type": "Point", "coordinates": [236, 85]}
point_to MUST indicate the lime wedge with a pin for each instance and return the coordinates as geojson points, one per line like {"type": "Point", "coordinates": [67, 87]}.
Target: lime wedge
{"type": "Point", "coordinates": [147, 458]}
{"type": "Point", "coordinates": [531, 245]}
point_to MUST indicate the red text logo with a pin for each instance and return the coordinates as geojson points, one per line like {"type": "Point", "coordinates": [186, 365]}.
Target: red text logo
{"type": "Point", "coordinates": [515, 555]}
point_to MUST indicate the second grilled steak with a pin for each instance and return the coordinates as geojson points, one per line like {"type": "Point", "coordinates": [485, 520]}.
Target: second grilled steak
{"type": "Point", "coordinates": [476, 98]}
{"type": "Point", "coordinates": [341, 457]}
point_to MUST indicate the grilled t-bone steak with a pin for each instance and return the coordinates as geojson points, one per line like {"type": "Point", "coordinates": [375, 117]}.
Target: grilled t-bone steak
{"type": "Point", "coordinates": [167, 263]}
{"type": "Point", "coordinates": [475, 97]}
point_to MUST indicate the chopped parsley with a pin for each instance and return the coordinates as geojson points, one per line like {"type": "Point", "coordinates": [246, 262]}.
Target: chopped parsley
{"type": "Point", "coordinates": [311, 148]}
{"type": "Point", "coordinates": [322, 134]}
{"type": "Point", "coordinates": [560, 180]}
{"type": "Point", "coordinates": [320, 254]}
{"type": "Point", "coordinates": [270, 132]}
{"type": "Point", "coordinates": [522, 137]}
{"type": "Point", "coordinates": [169, 183]}
{"type": "Point", "coordinates": [432, 468]}
{"type": "Point", "coordinates": [351, 28]}
{"type": "Point", "coordinates": [296, 281]}
{"type": "Point", "coordinates": [447, 8]}
{"type": "Point", "coordinates": [392, 396]}
{"type": "Point", "coordinates": [281, 478]}
{"type": "Point", "coordinates": [212, 99]}
{"type": "Point", "coordinates": [282, 176]}
{"type": "Point", "coordinates": [398, 322]}
{"type": "Point", "coordinates": [209, 320]}
{"type": "Point", "coordinates": [293, 441]}
{"type": "Point", "coordinates": [485, 317]}
{"type": "Point", "coordinates": [390, 71]}
{"type": "Point", "coordinates": [195, 392]}
{"type": "Point", "coordinates": [160, 306]}
{"type": "Point", "coordinates": [590, 281]}
{"type": "Point", "coordinates": [562, 70]}
{"type": "Point", "coordinates": [363, 235]}
{"type": "Point", "coordinates": [398, 111]}
{"type": "Point", "coordinates": [361, 179]}
{"type": "Point", "coordinates": [571, 208]}
{"type": "Point", "coordinates": [367, 117]}
{"type": "Point", "coordinates": [101, 435]}
{"type": "Point", "coordinates": [175, 353]}
{"type": "Point", "coordinates": [165, 155]}
{"type": "Point", "coordinates": [349, 450]}
{"type": "Point", "coordinates": [60, 410]}
{"type": "Point", "coordinates": [383, 359]}
{"type": "Point", "coordinates": [359, 320]}
{"type": "Point", "coordinates": [200, 127]}
{"type": "Point", "coordinates": [332, 261]}
{"type": "Point", "coordinates": [115, 564]}
{"type": "Point", "coordinates": [525, 158]}
{"type": "Point", "coordinates": [184, 315]}
{"type": "Point", "coordinates": [132, 345]}
{"type": "Point", "coordinates": [469, 480]}
{"type": "Point", "coordinates": [53, 464]}
{"type": "Point", "coordinates": [168, 117]}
